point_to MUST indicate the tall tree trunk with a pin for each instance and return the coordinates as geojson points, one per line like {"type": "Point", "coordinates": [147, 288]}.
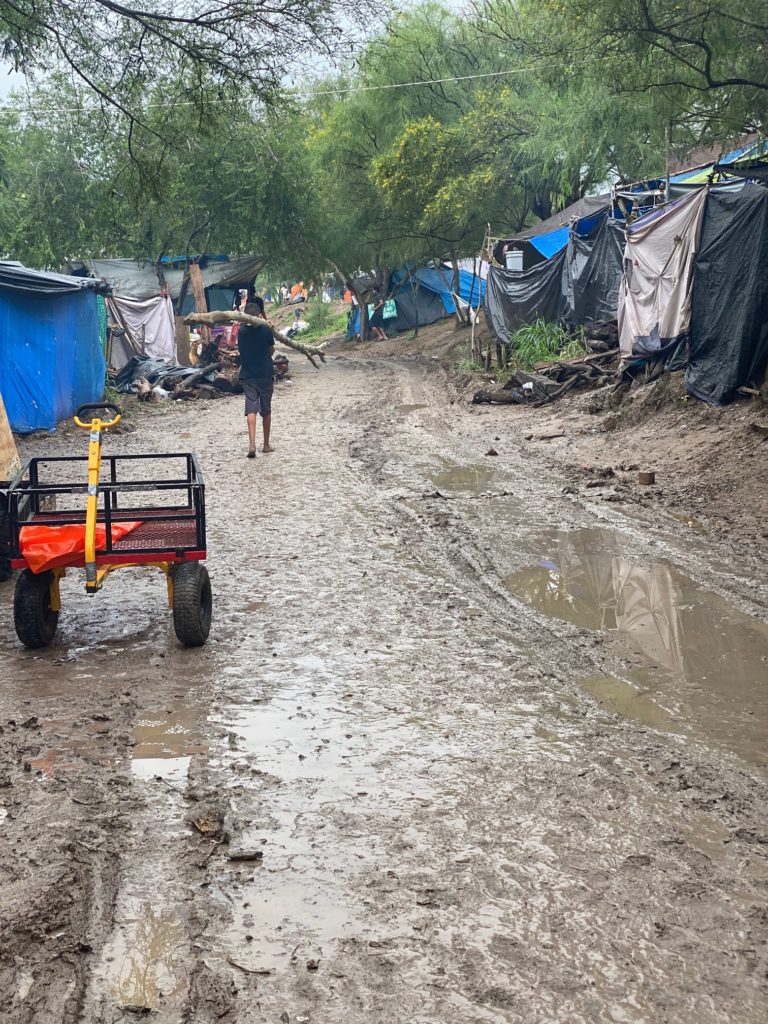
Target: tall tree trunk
{"type": "Point", "coordinates": [349, 281]}
{"type": "Point", "coordinates": [201, 306]}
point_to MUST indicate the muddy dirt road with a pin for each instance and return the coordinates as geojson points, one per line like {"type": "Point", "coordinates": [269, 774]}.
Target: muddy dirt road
{"type": "Point", "coordinates": [462, 748]}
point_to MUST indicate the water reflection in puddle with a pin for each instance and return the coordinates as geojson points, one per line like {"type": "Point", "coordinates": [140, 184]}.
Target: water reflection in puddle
{"type": "Point", "coordinates": [707, 661]}
{"type": "Point", "coordinates": [463, 479]}
{"type": "Point", "coordinates": [404, 410]}
{"type": "Point", "coordinates": [146, 966]}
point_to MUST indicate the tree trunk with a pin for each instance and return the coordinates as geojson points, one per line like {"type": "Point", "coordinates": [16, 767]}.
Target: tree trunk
{"type": "Point", "coordinates": [201, 306]}
{"type": "Point", "coordinates": [349, 280]}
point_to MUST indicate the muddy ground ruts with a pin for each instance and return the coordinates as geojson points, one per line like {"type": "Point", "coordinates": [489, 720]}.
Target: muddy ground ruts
{"type": "Point", "coordinates": [429, 767]}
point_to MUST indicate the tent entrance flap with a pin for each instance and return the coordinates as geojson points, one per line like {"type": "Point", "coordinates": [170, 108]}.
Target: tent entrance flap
{"type": "Point", "coordinates": [655, 296]}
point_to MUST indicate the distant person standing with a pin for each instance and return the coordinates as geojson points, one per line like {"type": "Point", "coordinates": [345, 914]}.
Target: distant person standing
{"type": "Point", "coordinates": [376, 321]}
{"type": "Point", "coordinates": [257, 344]}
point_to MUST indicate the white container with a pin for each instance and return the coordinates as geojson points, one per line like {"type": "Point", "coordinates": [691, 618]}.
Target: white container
{"type": "Point", "coordinates": [514, 259]}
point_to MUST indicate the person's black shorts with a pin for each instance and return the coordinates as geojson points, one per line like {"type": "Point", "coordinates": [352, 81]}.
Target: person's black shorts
{"type": "Point", "coordinates": [258, 395]}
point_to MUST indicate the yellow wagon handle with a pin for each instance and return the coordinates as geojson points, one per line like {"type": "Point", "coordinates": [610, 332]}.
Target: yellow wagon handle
{"type": "Point", "coordinates": [96, 425]}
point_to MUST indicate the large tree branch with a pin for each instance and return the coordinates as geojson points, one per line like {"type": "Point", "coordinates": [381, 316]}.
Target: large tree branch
{"type": "Point", "coordinates": [234, 317]}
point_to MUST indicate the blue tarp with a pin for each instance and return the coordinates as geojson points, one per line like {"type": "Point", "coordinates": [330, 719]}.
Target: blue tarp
{"type": "Point", "coordinates": [471, 288]}
{"type": "Point", "coordinates": [51, 360]}
{"type": "Point", "coordinates": [353, 324]}
{"type": "Point", "coordinates": [551, 244]}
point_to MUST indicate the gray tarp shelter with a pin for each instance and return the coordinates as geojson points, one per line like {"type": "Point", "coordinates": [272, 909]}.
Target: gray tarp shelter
{"type": "Point", "coordinates": [142, 281]}
{"type": "Point", "coordinates": [577, 285]}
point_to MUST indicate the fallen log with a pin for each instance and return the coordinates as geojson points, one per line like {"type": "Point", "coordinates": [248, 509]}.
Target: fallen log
{"type": "Point", "coordinates": [195, 378]}
{"type": "Point", "coordinates": [235, 317]}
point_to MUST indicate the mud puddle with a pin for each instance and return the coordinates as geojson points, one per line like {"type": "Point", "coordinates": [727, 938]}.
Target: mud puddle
{"type": "Point", "coordinates": [456, 478]}
{"type": "Point", "coordinates": [144, 967]}
{"type": "Point", "coordinates": [405, 410]}
{"type": "Point", "coordinates": [704, 663]}
{"type": "Point", "coordinates": [330, 776]}
{"type": "Point", "coordinates": [319, 773]}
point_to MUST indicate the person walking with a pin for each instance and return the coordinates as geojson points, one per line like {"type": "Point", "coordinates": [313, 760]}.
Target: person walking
{"type": "Point", "coordinates": [257, 345]}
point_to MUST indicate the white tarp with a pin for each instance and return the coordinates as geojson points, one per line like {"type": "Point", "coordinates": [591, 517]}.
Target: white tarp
{"type": "Point", "coordinates": [655, 292]}
{"type": "Point", "coordinates": [150, 329]}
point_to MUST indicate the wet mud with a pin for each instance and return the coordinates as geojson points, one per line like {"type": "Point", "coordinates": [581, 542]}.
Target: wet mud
{"type": "Point", "coordinates": [460, 748]}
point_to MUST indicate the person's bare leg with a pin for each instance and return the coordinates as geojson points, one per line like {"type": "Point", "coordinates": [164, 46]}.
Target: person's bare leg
{"type": "Point", "coordinates": [251, 418]}
{"type": "Point", "coordinates": [266, 424]}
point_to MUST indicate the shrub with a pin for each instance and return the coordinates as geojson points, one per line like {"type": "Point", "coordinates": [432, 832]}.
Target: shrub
{"type": "Point", "coordinates": [542, 342]}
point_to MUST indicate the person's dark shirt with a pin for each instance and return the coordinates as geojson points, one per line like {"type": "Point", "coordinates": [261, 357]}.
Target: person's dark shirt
{"type": "Point", "coordinates": [255, 356]}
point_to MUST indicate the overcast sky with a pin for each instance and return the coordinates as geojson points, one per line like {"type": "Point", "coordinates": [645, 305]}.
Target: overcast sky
{"type": "Point", "coordinates": [9, 80]}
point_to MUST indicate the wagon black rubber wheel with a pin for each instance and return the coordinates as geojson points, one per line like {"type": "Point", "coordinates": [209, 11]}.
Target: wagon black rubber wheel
{"type": "Point", "coordinates": [33, 617]}
{"type": "Point", "coordinates": [192, 603]}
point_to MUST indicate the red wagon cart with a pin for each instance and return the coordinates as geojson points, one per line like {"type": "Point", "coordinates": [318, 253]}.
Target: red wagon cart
{"type": "Point", "coordinates": [129, 519]}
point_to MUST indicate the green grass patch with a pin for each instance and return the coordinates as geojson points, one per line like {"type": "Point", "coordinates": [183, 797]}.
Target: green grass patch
{"type": "Point", "coordinates": [542, 342]}
{"type": "Point", "coordinates": [322, 321]}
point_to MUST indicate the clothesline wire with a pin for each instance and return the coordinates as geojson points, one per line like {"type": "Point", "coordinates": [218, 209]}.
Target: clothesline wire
{"type": "Point", "coordinates": [340, 90]}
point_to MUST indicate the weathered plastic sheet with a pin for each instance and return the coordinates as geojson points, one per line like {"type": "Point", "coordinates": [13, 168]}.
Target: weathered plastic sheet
{"type": "Point", "coordinates": [729, 317]}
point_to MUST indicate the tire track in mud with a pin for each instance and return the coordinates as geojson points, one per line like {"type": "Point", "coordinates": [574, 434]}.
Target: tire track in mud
{"type": "Point", "coordinates": [449, 828]}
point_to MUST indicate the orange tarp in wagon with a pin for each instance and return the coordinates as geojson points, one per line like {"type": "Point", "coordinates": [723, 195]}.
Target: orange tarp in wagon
{"type": "Point", "coordinates": [51, 547]}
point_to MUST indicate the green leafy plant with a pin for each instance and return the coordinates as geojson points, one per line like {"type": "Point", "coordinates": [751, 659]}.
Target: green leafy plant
{"type": "Point", "coordinates": [467, 365]}
{"type": "Point", "coordinates": [543, 342]}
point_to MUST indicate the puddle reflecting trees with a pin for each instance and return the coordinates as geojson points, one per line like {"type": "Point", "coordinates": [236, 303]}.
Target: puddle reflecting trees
{"type": "Point", "coordinates": [705, 655]}
{"type": "Point", "coordinates": [148, 962]}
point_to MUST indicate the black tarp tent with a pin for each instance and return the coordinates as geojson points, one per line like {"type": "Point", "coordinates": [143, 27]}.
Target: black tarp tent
{"type": "Point", "coordinates": [729, 305]}
{"type": "Point", "coordinates": [416, 307]}
{"type": "Point", "coordinates": [579, 284]}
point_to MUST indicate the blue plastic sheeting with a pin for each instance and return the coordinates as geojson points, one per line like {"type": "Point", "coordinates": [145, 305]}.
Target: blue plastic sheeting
{"type": "Point", "coordinates": [353, 325]}
{"type": "Point", "coordinates": [551, 244]}
{"type": "Point", "coordinates": [50, 357]}
{"type": "Point", "coordinates": [471, 288]}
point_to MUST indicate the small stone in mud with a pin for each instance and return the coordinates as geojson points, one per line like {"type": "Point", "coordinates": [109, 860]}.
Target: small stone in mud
{"type": "Point", "coordinates": [491, 451]}
{"type": "Point", "coordinates": [637, 860]}
{"type": "Point", "coordinates": [244, 853]}
{"type": "Point", "coordinates": [313, 965]}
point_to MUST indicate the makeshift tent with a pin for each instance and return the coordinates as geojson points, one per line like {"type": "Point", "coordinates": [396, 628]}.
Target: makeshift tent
{"type": "Point", "coordinates": [655, 296]}
{"type": "Point", "coordinates": [143, 281]}
{"type": "Point", "coordinates": [729, 313]}
{"type": "Point", "coordinates": [750, 162]}
{"type": "Point", "coordinates": [149, 327]}
{"type": "Point", "coordinates": [544, 240]}
{"type": "Point", "coordinates": [426, 294]}
{"type": "Point", "coordinates": [579, 284]}
{"type": "Point", "coordinates": [51, 358]}
{"type": "Point", "coordinates": [725, 175]}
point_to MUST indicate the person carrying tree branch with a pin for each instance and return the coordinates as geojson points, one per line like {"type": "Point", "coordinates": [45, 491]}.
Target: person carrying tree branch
{"type": "Point", "coordinates": [257, 345]}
